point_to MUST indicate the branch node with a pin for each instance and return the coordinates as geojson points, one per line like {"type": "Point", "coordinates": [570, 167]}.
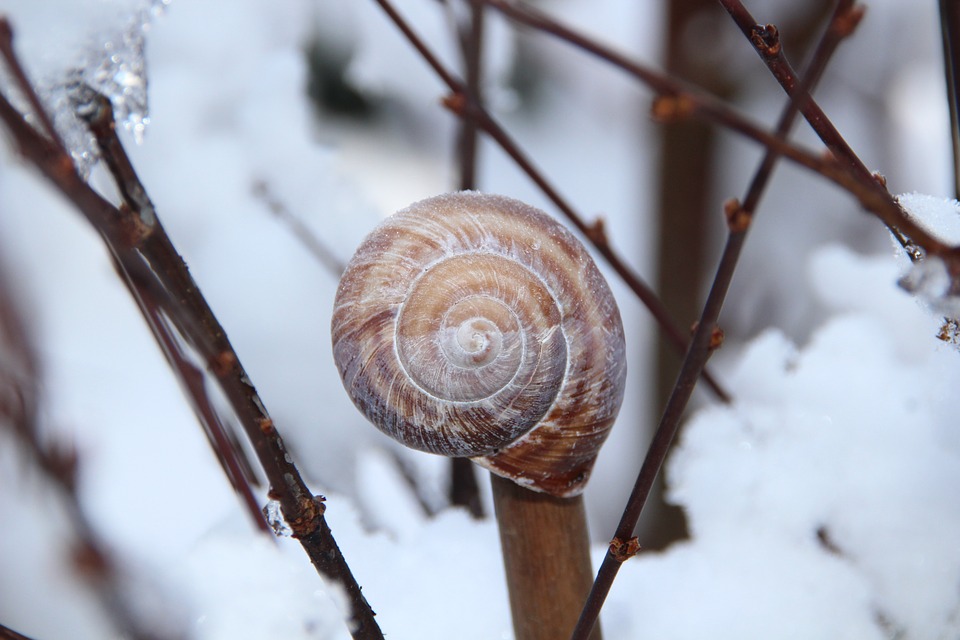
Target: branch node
{"type": "Point", "coordinates": [622, 550]}
{"type": "Point", "coordinates": [738, 218]}
{"type": "Point", "coordinates": [311, 510]}
{"type": "Point", "coordinates": [90, 562]}
{"type": "Point", "coordinates": [880, 178]}
{"type": "Point", "coordinates": [716, 339]}
{"type": "Point", "coordinates": [848, 21]}
{"type": "Point", "coordinates": [671, 108]}
{"type": "Point", "coordinates": [766, 40]}
{"type": "Point", "coordinates": [267, 427]}
{"type": "Point", "coordinates": [133, 230]}
{"type": "Point", "coordinates": [597, 232]}
{"type": "Point", "coordinates": [716, 336]}
{"type": "Point", "coordinates": [223, 364]}
{"type": "Point", "coordinates": [457, 103]}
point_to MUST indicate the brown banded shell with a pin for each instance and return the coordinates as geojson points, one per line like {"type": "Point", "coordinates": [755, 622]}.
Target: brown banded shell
{"type": "Point", "coordinates": [474, 325]}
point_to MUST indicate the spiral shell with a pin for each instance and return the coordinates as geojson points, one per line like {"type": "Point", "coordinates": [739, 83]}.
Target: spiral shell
{"type": "Point", "coordinates": [474, 325]}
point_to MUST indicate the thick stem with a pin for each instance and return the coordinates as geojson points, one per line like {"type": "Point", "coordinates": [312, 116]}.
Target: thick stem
{"type": "Point", "coordinates": [546, 553]}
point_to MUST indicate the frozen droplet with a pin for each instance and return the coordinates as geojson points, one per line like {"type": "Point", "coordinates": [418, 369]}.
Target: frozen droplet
{"type": "Point", "coordinates": [274, 515]}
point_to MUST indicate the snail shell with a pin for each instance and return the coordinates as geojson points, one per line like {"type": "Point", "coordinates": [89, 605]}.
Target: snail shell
{"type": "Point", "coordinates": [474, 325]}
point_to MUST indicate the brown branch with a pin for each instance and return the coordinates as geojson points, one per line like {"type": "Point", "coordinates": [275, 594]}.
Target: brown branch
{"type": "Point", "coordinates": [705, 339]}
{"type": "Point", "coordinates": [765, 40]}
{"type": "Point", "coordinates": [231, 457]}
{"type": "Point", "coordinates": [143, 249]}
{"type": "Point", "coordinates": [594, 233]}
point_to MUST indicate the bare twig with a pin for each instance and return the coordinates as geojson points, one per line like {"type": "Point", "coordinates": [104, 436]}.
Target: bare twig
{"type": "Point", "coordinates": [317, 248]}
{"type": "Point", "coordinates": [7, 633]}
{"type": "Point", "coordinates": [594, 233]}
{"type": "Point", "coordinates": [706, 336]}
{"type": "Point", "coordinates": [765, 40]}
{"type": "Point", "coordinates": [20, 77]}
{"type": "Point", "coordinates": [146, 254]}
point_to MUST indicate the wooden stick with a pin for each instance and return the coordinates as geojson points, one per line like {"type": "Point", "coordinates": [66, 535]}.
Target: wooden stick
{"type": "Point", "coordinates": [546, 553]}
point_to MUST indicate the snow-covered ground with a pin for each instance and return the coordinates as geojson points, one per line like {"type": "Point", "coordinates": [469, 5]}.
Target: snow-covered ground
{"type": "Point", "coordinates": [822, 503]}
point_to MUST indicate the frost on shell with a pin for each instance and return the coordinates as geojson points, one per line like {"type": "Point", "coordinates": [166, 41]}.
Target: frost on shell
{"type": "Point", "coordinates": [102, 51]}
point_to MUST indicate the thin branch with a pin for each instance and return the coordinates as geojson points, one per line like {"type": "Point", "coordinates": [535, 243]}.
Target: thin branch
{"type": "Point", "coordinates": [706, 336]}
{"type": "Point", "coordinates": [142, 247]}
{"type": "Point", "coordinates": [595, 233]}
{"type": "Point", "coordinates": [231, 457]}
{"type": "Point", "coordinates": [317, 248]}
{"type": "Point", "coordinates": [765, 40]}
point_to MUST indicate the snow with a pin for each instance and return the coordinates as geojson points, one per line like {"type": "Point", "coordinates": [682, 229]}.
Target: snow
{"type": "Point", "coordinates": [929, 279]}
{"type": "Point", "coordinates": [822, 502]}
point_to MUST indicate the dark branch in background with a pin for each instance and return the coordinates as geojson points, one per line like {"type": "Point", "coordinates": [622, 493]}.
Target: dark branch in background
{"type": "Point", "coordinates": [679, 100]}
{"type": "Point", "coordinates": [464, 490]}
{"type": "Point", "coordinates": [950, 29]}
{"type": "Point", "coordinates": [471, 39]}
{"type": "Point", "coordinates": [151, 267]}
{"type": "Point", "coordinates": [58, 462]}
{"type": "Point", "coordinates": [705, 338]}
{"type": "Point", "coordinates": [317, 248]}
{"type": "Point", "coordinates": [594, 233]}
